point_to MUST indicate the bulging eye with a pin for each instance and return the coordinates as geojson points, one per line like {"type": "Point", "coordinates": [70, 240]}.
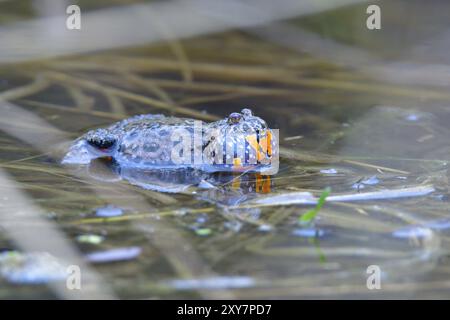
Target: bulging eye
{"type": "Point", "coordinates": [247, 112]}
{"type": "Point", "coordinates": [234, 118]}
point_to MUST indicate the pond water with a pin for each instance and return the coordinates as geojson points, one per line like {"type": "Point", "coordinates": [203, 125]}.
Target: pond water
{"type": "Point", "coordinates": [374, 129]}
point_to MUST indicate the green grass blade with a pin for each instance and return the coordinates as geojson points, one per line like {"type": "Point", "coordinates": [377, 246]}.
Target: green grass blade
{"type": "Point", "coordinates": [310, 215]}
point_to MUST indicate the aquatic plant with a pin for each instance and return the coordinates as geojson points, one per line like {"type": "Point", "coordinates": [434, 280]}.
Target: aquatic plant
{"type": "Point", "coordinates": [310, 215]}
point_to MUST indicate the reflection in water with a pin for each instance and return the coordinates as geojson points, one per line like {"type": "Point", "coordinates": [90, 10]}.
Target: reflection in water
{"type": "Point", "coordinates": [227, 189]}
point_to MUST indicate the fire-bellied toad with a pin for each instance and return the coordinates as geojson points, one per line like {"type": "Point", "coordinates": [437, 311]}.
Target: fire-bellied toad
{"type": "Point", "coordinates": [241, 142]}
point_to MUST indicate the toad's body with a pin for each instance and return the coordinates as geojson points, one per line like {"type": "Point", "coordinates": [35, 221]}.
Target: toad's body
{"type": "Point", "coordinates": [241, 142]}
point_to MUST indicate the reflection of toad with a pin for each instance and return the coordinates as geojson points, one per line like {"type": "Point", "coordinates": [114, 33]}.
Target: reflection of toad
{"type": "Point", "coordinates": [221, 188]}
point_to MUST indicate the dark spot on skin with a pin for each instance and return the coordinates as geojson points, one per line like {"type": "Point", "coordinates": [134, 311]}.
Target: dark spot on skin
{"type": "Point", "coordinates": [164, 157]}
{"type": "Point", "coordinates": [163, 132]}
{"type": "Point", "coordinates": [137, 159]}
{"type": "Point", "coordinates": [209, 141]}
{"type": "Point", "coordinates": [133, 134]}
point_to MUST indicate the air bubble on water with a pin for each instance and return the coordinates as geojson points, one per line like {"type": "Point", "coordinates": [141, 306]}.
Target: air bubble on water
{"type": "Point", "coordinates": [201, 218]}
{"type": "Point", "coordinates": [109, 211]}
{"type": "Point", "coordinates": [329, 171]}
{"type": "Point", "coordinates": [308, 232]}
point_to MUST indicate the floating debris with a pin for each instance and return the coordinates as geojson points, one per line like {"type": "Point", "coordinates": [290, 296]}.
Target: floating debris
{"type": "Point", "coordinates": [418, 116]}
{"type": "Point", "coordinates": [307, 198]}
{"type": "Point", "coordinates": [285, 199]}
{"type": "Point", "coordinates": [440, 197]}
{"type": "Point", "coordinates": [423, 230]}
{"type": "Point", "coordinates": [203, 232]}
{"type": "Point", "coordinates": [90, 238]}
{"type": "Point", "coordinates": [181, 212]}
{"type": "Point", "coordinates": [213, 283]}
{"type": "Point", "coordinates": [109, 211]}
{"type": "Point", "coordinates": [373, 180]}
{"type": "Point", "coordinates": [358, 186]}
{"type": "Point", "coordinates": [113, 255]}
{"type": "Point", "coordinates": [293, 138]}
{"type": "Point", "coordinates": [31, 268]}
{"type": "Point", "coordinates": [329, 171]}
{"type": "Point", "coordinates": [206, 185]}
{"type": "Point", "coordinates": [412, 232]}
{"type": "Point", "coordinates": [369, 182]}
{"type": "Point", "coordinates": [265, 228]}
{"type": "Point", "coordinates": [440, 224]}
{"type": "Point", "coordinates": [233, 225]}
{"type": "Point", "coordinates": [201, 218]}
{"type": "Point", "coordinates": [408, 192]}
{"type": "Point", "coordinates": [308, 232]}
{"type": "Point", "coordinates": [412, 117]}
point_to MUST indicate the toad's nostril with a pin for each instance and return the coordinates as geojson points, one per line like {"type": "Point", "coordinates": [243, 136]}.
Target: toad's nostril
{"type": "Point", "coordinates": [234, 118]}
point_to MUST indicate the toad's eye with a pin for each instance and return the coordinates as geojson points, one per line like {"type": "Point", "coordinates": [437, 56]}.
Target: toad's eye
{"type": "Point", "coordinates": [246, 112]}
{"type": "Point", "coordinates": [234, 118]}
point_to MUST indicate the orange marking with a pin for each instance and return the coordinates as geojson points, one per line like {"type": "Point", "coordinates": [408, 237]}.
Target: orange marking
{"type": "Point", "coordinates": [266, 184]}
{"type": "Point", "coordinates": [258, 183]}
{"type": "Point", "coordinates": [264, 147]}
{"type": "Point", "coordinates": [252, 141]}
{"type": "Point", "coordinates": [262, 184]}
